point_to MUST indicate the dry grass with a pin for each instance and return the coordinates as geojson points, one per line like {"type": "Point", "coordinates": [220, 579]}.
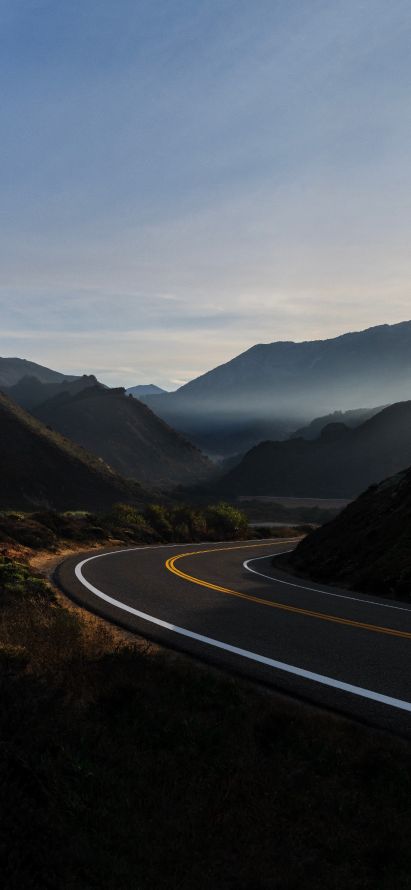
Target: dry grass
{"type": "Point", "coordinates": [123, 767]}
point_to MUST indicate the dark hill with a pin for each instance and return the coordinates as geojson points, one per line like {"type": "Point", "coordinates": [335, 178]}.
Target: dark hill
{"type": "Point", "coordinates": [30, 392]}
{"type": "Point", "coordinates": [39, 468]}
{"type": "Point", "coordinates": [340, 463]}
{"type": "Point", "coordinates": [368, 546]}
{"type": "Point", "coordinates": [294, 382]}
{"type": "Point", "coordinates": [13, 369]}
{"type": "Point", "coordinates": [126, 434]}
{"type": "Point", "coordinates": [349, 418]}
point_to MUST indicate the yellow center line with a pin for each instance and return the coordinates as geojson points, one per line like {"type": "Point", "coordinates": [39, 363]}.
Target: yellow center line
{"type": "Point", "coordinates": [322, 616]}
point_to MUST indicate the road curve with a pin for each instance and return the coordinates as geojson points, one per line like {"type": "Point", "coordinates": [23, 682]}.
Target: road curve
{"type": "Point", "coordinates": [229, 604]}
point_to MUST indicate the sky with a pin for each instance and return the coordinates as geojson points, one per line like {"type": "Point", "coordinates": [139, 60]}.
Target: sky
{"type": "Point", "coordinates": [182, 179]}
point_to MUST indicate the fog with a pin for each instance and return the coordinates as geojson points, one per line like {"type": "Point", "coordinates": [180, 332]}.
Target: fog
{"type": "Point", "coordinates": [271, 390]}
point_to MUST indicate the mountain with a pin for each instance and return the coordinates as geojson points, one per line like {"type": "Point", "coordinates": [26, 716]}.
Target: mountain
{"type": "Point", "coordinates": [367, 547]}
{"type": "Point", "coordinates": [293, 382]}
{"type": "Point", "coordinates": [348, 418]}
{"type": "Point", "coordinates": [126, 434]}
{"type": "Point", "coordinates": [341, 462]}
{"type": "Point", "coordinates": [39, 468]}
{"type": "Point", "coordinates": [30, 392]}
{"type": "Point", "coordinates": [13, 369]}
{"type": "Point", "coordinates": [145, 389]}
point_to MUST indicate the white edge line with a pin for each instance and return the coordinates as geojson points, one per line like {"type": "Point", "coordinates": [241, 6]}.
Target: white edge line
{"type": "Point", "coordinates": [235, 650]}
{"type": "Point", "coordinates": [343, 596]}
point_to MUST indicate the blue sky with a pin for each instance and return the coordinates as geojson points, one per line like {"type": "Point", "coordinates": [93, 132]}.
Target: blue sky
{"type": "Point", "coordinates": [180, 180]}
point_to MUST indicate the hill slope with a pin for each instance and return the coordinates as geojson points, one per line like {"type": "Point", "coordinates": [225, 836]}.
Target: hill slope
{"type": "Point", "coordinates": [367, 547]}
{"type": "Point", "coordinates": [29, 392]}
{"type": "Point", "coordinates": [297, 381]}
{"type": "Point", "coordinates": [126, 434]}
{"type": "Point", "coordinates": [39, 468]}
{"type": "Point", "coordinates": [340, 463]}
{"type": "Point", "coordinates": [348, 418]}
{"type": "Point", "coordinates": [13, 369]}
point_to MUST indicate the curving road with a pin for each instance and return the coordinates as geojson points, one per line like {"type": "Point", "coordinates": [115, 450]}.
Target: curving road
{"type": "Point", "coordinates": [229, 604]}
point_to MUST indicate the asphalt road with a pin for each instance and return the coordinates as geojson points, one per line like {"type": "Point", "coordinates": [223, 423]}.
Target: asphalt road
{"type": "Point", "coordinates": [229, 604]}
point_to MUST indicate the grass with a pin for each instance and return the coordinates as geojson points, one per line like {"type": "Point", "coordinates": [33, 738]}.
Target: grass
{"type": "Point", "coordinates": [124, 767]}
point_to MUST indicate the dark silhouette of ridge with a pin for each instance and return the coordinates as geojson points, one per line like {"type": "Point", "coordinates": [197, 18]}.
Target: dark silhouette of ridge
{"type": "Point", "coordinates": [341, 462]}
{"type": "Point", "coordinates": [40, 468]}
{"type": "Point", "coordinates": [367, 547]}
{"type": "Point", "coordinates": [351, 419]}
{"type": "Point", "coordinates": [30, 392]}
{"type": "Point", "coordinates": [126, 434]}
{"type": "Point", "coordinates": [13, 369]}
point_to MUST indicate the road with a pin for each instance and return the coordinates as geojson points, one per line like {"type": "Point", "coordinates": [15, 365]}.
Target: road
{"type": "Point", "coordinates": [229, 604]}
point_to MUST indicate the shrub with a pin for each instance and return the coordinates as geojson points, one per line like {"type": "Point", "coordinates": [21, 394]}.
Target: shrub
{"type": "Point", "coordinates": [159, 519]}
{"type": "Point", "coordinates": [192, 521]}
{"type": "Point", "coordinates": [18, 582]}
{"type": "Point", "coordinates": [125, 520]}
{"type": "Point", "coordinates": [26, 531]}
{"type": "Point", "coordinates": [224, 521]}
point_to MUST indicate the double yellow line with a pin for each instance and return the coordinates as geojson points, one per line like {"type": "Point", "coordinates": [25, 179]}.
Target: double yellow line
{"type": "Point", "coordinates": [322, 616]}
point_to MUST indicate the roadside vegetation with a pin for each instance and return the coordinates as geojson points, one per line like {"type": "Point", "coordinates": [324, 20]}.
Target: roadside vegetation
{"type": "Point", "coordinates": [125, 767]}
{"type": "Point", "coordinates": [153, 524]}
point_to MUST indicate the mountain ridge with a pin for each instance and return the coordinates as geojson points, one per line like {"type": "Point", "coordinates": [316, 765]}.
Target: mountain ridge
{"type": "Point", "coordinates": [41, 468]}
{"type": "Point", "coordinates": [292, 382]}
{"type": "Point", "coordinates": [126, 434]}
{"type": "Point", "coordinates": [13, 369]}
{"type": "Point", "coordinates": [341, 462]}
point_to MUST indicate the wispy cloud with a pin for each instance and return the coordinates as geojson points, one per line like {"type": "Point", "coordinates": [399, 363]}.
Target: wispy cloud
{"type": "Point", "coordinates": [182, 180]}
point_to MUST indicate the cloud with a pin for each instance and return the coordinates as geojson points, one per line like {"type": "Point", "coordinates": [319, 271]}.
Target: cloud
{"type": "Point", "coordinates": [180, 181]}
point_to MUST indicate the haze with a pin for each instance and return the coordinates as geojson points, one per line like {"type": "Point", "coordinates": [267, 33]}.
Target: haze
{"type": "Point", "coordinates": [181, 180]}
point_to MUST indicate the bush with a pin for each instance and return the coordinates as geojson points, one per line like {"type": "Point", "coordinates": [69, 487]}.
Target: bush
{"type": "Point", "coordinates": [159, 519]}
{"type": "Point", "coordinates": [18, 582]}
{"type": "Point", "coordinates": [225, 522]}
{"type": "Point", "coordinates": [25, 530]}
{"type": "Point", "coordinates": [125, 521]}
{"type": "Point", "coordinates": [192, 521]}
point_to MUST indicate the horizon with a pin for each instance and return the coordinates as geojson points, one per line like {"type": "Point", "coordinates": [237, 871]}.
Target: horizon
{"type": "Point", "coordinates": [177, 181]}
{"type": "Point", "coordinates": [79, 372]}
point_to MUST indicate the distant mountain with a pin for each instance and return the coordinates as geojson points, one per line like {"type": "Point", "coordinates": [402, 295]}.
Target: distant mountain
{"type": "Point", "coordinates": [30, 392]}
{"type": "Point", "coordinates": [126, 434]}
{"type": "Point", "coordinates": [148, 389]}
{"type": "Point", "coordinates": [293, 382]}
{"type": "Point", "coordinates": [340, 463]}
{"type": "Point", "coordinates": [13, 369]}
{"type": "Point", "coordinates": [367, 547]}
{"type": "Point", "coordinates": [39, 468]}
{"type": "Point", "coordinates": [351, 419]}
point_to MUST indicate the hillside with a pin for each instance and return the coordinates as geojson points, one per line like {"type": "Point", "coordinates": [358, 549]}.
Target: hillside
{"type": "Point", "coordinates": [126, 434]}
{"type": "Point", "coordinates": [367, 547]}
{"type": "Point", "coordinates": [30, 392]}
{"type": "Point", "coordinates": [13, 369]}
{"type": "Point", "coordinates": [341, 462]}
{"type": "Point", "coordinates": [351, 419]}
{"type": "Point", "coordinates": [39, 468]}
{"type": "Point", "coordinates": [293, 382]}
